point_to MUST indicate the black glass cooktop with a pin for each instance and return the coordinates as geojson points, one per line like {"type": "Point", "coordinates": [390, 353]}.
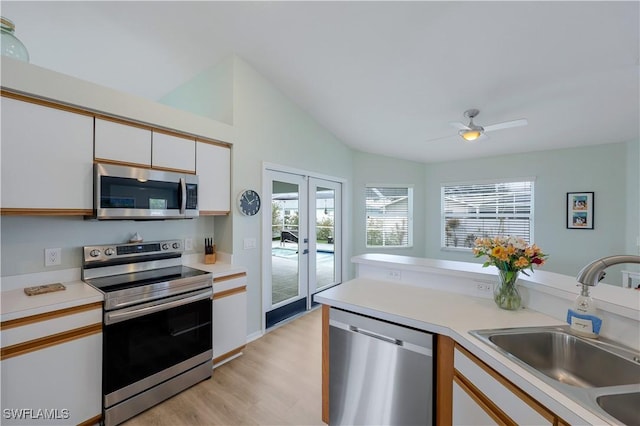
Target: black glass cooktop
{"type": "Point", "coordinates": [137, 279]}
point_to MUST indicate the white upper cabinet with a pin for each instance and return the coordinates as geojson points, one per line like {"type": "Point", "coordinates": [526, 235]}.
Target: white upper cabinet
{"type": "Point", "coordinates": [213, 167]}
{"type": "Point", "coordinates": [122, 143]}
{"type": "Point", "coordinates": [47, 158]}
{"type": "Point", "coordinates": [173, 153]}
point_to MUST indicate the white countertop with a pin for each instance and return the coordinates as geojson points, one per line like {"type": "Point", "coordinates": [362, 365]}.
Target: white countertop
{"type": "Point", "coordinates": [14, 303]}
{"type": "Point", "coordinates": [218, 269]}
{"type": "Point", "coordinates": [622, 301]}
{"type": "Point", "coordinates": [454, 315]}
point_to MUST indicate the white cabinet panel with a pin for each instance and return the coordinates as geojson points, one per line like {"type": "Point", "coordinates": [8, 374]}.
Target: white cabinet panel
{"type": "Point", "coordinates": [213, 166]}
{"type": "Point", "coordinates": [229, 315]}
{"type": "Point", "coordinates": [122, 143]}
{"type": "Point", "coordinates": [65, 379]}
{"type": "Point", "coordinates": [466, 410]}
{"type": "Point", "coordinates": [174, 153]}
{"type": "Point", "coordinates": [47, 157]}
{"type": "Point", "coordinates": [229, 323]}
{"type": "Point", "coordinates": [513, 406]}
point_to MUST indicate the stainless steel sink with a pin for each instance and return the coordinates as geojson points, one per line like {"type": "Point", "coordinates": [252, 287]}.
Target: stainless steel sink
{"type": "Point", "coordinates": [567, 358]}
{"type": "Point", "coordinates": [598, 373]}
{"type": "Point", "coordinates": [623, 406]}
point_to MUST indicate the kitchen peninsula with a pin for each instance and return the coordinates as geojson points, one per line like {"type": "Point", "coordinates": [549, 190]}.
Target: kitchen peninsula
{"type": "Point", "coordinates": [449, 299]}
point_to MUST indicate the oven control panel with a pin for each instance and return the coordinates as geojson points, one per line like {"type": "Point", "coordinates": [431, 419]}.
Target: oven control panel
{"type": "Point", "coordinates": [129, 251]}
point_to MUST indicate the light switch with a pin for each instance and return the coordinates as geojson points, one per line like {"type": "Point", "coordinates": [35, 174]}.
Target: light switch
{"type": "Point", "coordinates": [249, 243]}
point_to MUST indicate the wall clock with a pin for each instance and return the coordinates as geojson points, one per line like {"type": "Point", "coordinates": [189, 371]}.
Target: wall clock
{"type": "Point", "coordinates": [248, 202]}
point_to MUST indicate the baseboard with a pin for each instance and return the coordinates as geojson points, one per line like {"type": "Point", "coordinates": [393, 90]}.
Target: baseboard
{"type": "Point", "coordinates": [254, 336]}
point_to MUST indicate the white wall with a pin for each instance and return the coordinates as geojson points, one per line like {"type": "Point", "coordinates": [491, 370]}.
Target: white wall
{"type": "Point", "coordinates": [601, 169]}
{"type": "Point", "coordinates": [209, 94]}
{"type": "Point", "coordinates": [24, 238]}
{"type": "Point", "coordinates": [377, 169]}
{"type": "Point", "coordinates": [270, 128]}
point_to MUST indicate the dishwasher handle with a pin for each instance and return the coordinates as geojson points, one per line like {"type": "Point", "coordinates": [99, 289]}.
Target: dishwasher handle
{"type": "Point", "coordinates": [372, 334]}
{"type": "Point", "coordinates": [375, 335]}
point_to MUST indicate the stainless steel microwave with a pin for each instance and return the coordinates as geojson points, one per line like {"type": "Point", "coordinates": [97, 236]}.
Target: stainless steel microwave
{"type": "Point", "coordinates": [123, 192]}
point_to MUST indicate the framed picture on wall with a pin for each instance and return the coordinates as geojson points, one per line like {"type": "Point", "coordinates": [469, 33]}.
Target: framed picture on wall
{"type": "Point", "coordinates": [580, 210]}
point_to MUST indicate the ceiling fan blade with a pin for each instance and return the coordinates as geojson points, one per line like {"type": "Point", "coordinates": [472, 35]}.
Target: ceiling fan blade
{"type": "Point", "coordinates": [440, 138]}
{"type": "Point", "coordinates": [506, 125]}
{"type": "Point", "coordinates": [458, 125]}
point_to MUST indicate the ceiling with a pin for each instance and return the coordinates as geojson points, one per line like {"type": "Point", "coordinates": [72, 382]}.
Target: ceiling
{"type": "Point", "coordinates": [383, 77]}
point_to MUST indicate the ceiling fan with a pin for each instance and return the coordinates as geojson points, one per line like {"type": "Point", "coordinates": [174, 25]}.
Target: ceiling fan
{"type": "Point", "coordinates": [472, 132]}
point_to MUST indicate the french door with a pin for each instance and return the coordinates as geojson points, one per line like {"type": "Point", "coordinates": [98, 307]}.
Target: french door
{"type": "Point", "coordinates": [302, 242]}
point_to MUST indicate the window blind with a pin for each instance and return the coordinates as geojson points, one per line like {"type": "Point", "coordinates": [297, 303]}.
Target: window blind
{"type": "Point", "coordinates": [389, 216]}
{"type": "Point", "coordinates": [477, 210]}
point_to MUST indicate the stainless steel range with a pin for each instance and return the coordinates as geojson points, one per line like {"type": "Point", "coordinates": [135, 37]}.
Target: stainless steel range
{"type": "Point", "coordinates": [157, 334]}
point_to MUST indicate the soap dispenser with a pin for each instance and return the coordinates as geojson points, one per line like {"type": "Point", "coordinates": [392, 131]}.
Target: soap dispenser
{"type": "Point", "coordinates": [583, 318]}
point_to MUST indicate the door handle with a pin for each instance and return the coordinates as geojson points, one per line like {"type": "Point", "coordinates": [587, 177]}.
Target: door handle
{"type": "Point", "coordinates": [305, 251]}
{"type": "Point", "coordinates": [183, 195]}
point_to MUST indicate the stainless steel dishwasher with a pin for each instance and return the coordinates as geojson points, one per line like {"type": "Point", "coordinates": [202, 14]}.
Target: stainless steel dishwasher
{"type": "Point", "coordinates": [380, 373]}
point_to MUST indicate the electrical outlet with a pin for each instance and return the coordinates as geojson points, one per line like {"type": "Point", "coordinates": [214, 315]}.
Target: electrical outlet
{"type": "Point", "coordinates": [394, 274]}
{"type": "Point", "coordinates": [483, 287]}
{"type": "Point", "coordinates": [52, 256]}
{"type": "Point", "coordinates": [188, 244]}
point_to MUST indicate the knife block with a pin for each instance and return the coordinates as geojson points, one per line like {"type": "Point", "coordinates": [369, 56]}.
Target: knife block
{"type": "Point", "coordinates": [210, 259]}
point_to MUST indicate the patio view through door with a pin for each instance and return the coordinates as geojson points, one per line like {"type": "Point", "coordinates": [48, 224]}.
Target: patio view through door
{"type": "Point", "coordinates": [303, 240]}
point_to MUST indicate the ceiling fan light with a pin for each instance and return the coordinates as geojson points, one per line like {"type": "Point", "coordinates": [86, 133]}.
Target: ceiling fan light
{"type": "Point", "coordinates": [470, 135]}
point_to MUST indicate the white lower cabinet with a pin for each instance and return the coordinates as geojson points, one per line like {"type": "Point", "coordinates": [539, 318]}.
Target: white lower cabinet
{"type": "Point", "coordinates": [229, 317]}
{"type": "Point", "coordinates": [467, 409]}
{"type": "Point", "coordinates": [59, 385]}
{"type": "Point", "coordinates": [478, 389]}
{"type": "Point", "coordinates": [51, 369]}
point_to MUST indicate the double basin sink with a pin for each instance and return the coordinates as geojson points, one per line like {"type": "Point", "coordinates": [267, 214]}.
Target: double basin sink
{"type": "Point", "coordinates": [598, 374]}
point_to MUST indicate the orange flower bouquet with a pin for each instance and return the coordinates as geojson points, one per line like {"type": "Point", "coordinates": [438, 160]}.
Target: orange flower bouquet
{"type": "Point", "coordinates": [510, 255]}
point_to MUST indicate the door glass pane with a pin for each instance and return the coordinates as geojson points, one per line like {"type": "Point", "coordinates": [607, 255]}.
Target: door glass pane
{"type": "Point", "coordinates": [284, 241]}
{"type": "Point", "coordinates": [325, 234]}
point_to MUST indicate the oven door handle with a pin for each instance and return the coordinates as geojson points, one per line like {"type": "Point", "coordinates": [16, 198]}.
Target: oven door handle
{"type": "Point", "coordinates": [174, 302]}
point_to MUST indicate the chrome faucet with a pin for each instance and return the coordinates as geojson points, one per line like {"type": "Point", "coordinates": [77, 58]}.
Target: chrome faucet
{"type": "Point", "coordinates": [593, 273]}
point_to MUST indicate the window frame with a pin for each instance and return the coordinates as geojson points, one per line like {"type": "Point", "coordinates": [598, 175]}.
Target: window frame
{"type": "Point", "coordinates": [485, 182]}
{"type": "Point", "coordinates": [410, 202]}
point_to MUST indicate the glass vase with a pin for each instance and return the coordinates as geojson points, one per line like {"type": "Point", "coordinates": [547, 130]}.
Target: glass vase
{"type": "Point", "coordinates": [9, 43]}
{"type": "Point", "coordinates": [505, 293]}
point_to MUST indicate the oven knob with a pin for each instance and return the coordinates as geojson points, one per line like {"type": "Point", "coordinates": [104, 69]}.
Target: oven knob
{"type": "Point", "coordinates": [165, 246]}
{"type": "Point", "coordinates": [94, 253]}
{"type": "Point", "coordinates": [176, 245]}
{"type": "Point", "coordinates": [109, 252]}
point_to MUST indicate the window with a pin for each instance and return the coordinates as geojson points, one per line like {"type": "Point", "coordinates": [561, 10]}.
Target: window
{"type": "Point", "coordinates": [389, 212]}
{"type": "Point", "coordinates": [477, 210]}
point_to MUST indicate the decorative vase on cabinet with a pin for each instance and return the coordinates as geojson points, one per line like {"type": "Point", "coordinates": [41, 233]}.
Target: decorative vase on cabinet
{"type": "Point", "coordinates": [11, 46]}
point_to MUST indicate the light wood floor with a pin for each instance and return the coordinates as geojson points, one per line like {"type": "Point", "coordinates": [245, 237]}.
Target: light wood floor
{"type": "Point", "coordinates": [277, 381]}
